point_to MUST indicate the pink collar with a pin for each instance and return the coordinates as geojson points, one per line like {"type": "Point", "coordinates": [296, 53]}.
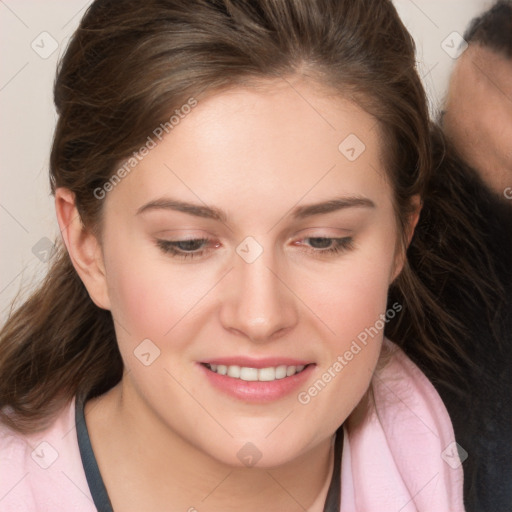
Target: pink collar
{"type": "Point", "coordinates": [399, 452]}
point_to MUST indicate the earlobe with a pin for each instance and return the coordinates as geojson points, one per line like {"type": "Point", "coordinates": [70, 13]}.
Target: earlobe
{"type": "Point", "coordinates": [83, 247]}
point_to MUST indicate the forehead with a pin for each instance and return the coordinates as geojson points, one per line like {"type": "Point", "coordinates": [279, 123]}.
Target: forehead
{"type": "Point", "coordinates": [481, 98]}
{"type": "Point", "coordinates": [284, 136]}
{"type": "Point", "coordinates": [484, 76]}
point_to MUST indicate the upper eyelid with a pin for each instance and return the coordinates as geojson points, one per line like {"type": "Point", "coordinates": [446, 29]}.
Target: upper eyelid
{"type": "Point", "coordinates": [348, 234]}
{"type": "Point", "coordinates": [340, 232]}
{"type": "Point", "coordinates": [295, 229]}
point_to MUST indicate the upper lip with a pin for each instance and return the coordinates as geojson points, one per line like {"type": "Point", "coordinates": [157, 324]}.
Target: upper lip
{"type": "Point", "coordinates": [249, 362]}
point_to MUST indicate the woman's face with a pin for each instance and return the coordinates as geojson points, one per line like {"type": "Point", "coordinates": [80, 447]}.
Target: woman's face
{"type": "Point", "coordinates": [284, 187]}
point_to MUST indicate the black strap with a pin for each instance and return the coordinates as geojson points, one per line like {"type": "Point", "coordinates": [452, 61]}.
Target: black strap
{"type": "Point", "coordinates": [92, 471]}
{"type": "Point", "coordinates": [99, 492]}
{"type": "Point", "coordinates": [333, 500]}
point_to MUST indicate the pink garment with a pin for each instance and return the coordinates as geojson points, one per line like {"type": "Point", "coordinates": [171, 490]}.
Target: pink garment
{"type": "Point", "coordinates": [398, 456]}
{"type": "Point", "coordinates": [401, 456]}
{"type": "Point", "coordinates": [43, 472]}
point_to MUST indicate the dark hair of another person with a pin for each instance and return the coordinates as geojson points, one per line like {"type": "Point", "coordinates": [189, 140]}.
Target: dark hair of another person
{"type": "Point", "coordinates": [462, 253]}
{"type": "Point", "coordinates": [127, 67]}
{"type": "Point", "coordinates": [493, 29]}
{"type": "Point", "coordinates": [461, 257]}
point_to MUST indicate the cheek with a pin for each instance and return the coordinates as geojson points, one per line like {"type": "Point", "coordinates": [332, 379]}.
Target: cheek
{"type": "Point", "coordinates": [352, 303]}
{"type": "Point", "coordinates": [351, 297]}
{"type": "Point", "coordinates": [149, 295]}
{"type": "Point", "coordinates": [353, 311]}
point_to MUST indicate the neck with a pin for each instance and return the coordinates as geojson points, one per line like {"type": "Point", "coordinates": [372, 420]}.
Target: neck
{"type": "Point", "coordinates": [132, 444]}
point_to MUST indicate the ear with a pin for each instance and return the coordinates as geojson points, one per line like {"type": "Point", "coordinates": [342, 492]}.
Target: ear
{"type": "Point", "coordinates": [83, 247]}
{"type": "Point", "coordinates": [414, 217]}
{"type": "Point", "coordinates": [412, 221]}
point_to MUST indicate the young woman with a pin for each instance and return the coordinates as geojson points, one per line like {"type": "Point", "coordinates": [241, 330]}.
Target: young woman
{"type": "Point", "coordinates": [236, 184]}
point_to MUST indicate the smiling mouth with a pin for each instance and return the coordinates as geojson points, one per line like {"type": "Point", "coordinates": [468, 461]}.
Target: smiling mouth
{"type": "Point", "coordinates": [248, 374]}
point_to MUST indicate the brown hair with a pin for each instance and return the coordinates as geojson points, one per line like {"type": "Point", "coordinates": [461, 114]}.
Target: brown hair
{"type": "Point", "coordinates": [127, 66]}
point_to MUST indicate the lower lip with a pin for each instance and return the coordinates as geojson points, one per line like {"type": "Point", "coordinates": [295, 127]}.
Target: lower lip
{"type": "Point", "coordinates": [256, 391]}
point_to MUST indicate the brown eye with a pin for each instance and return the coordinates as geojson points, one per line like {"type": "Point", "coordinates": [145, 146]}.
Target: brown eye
{"type": "Point", "coordinates": [328, 246]}
{"type": "Point", "coordinates": [191, 248]}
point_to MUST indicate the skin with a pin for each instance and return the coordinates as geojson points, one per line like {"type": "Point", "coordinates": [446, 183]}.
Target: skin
{"type": "Point", "coordinates": [256, 153]}
{"type": "Point", "coordinates": [478, 115]}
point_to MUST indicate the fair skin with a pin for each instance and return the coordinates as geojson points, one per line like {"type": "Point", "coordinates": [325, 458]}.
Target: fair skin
{"type": "Point", "coordinates": [256, 154]}
{"type": "Point", "coordinates": [478, 114]}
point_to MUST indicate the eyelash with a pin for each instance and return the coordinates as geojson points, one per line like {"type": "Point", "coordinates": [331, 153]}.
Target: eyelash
{"type": "Point", "coordinates": [340, 245]}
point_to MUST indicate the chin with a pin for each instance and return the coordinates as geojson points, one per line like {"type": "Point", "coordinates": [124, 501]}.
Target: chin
{"type": "Point", "coordinates": [257, 452]}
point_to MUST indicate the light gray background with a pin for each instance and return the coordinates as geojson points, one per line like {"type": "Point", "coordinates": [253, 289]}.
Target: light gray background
{"type": "Point", "coordinates": [27, 214]}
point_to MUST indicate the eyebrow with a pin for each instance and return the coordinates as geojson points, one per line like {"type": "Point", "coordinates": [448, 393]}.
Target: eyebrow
{"type": "Point", "coordinates": [299, 212]}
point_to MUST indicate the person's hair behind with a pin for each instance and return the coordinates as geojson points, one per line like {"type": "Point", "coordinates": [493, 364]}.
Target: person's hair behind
{"type": "Point", "coordinates": [493, 29]}
{"type": "Point", "coordinates": [127, 67]}
{"type": "Point", "coordinates": [460, 259]}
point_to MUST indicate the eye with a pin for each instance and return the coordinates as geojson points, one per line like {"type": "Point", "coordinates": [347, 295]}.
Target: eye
{"type": "Point", "coordinates": [194, 247]}
{"type": "Point", "coordinates": [329, 246]}
{"type": "Point", "coordinates": [184, 249]}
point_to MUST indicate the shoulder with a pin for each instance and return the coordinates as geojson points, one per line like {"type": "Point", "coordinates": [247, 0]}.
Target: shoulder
{"type": "Point", "coordinates": [43, 470]}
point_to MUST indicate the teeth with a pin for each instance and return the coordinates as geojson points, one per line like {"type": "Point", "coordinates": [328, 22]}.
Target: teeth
{"type": "Point", "coordinates": [281, 372]}
{"type": "Point", "coordinates": [234, 371]}
{"type": "Point", "coordinates": [266, 374]}
{"type": "Point", "coordinates": [249, 374]}
{"type": "Point", "coordinates": [256, 374]}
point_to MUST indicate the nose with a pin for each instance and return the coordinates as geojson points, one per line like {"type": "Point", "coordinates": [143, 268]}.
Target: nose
{"type": "Point", "coordinates": [258, 302]}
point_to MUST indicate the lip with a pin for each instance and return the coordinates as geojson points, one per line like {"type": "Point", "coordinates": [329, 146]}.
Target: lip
{"type": "Point", "coordinates": [256, 391]}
